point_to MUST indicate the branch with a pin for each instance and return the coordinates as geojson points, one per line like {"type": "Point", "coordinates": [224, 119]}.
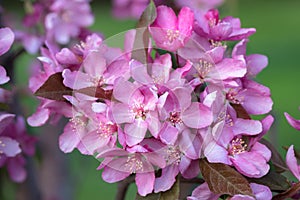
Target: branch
{"type": "Point", "coordinates": [123, 187]}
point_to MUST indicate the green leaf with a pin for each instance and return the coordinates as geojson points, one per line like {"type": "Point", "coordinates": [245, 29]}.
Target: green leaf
{"type": "Point", "coordinates": [140, 46]}
{"type": "Point", "coordinates": [222, 179]}
{"type": "Point", "coordinates": [289, 193]}
{"type": "Point", "coordinates": [274, 180]}
{"type": "Point", "coordinates": [54, 88]}
{"type": "Point", "coordinates": [172, 194]}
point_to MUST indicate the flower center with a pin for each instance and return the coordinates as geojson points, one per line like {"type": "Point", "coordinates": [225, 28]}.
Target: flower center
{"type": "Point", "coordinates": [237, 146]}
{"type": "Point", "coordinates": [2, 144]}
{"type": "Point", "coordinates": [77, 123]}
{"type": "Point", "coordinates": [173, 155]}
{"type": "Point", "coordinates": [172, 35]}
{"type": "Point", "coordinates": [134, 164]}
{"type": "Point", "coordinates": [175, 118]}
{"type": "Point", "coordinates": [203, 68]}
{"type": "Point", "coordinates": [139, 111]}
{"type": "Point", "coordinates": [231, 96]}
{"type": "Point", "coordinates": [105, 130]}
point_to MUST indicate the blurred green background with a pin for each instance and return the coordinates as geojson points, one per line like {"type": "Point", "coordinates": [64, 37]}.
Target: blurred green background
{"type": "Point", "coordinates": [278, 36]}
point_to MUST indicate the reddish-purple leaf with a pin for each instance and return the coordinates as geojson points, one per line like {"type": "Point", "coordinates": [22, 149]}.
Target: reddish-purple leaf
{"type": "Point", "coordinates": [97, 92]}
{"type": "Point", "coordinates": [222, 179]}
{"type": "Point", "coordinates": [275, 181]}
{"type": "Point", "coordinates": [54, 88]}
{"type": "Point", "coordinates": [289, 193]}
{"type": "Point", "coordinates": [240, 111]}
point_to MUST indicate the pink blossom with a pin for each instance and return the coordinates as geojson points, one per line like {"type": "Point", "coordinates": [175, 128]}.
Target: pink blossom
{"type": "Point", "coordinates": [260, 192]}
{"type": "Point", "coordinates": [292, 121]}
{"type": "Point", "coordinates": [66, 18]}
{"type": "Point", "coordinates": [209, 25]}
{"type": "Point", "coordinates": [202, 5]}
{"type": "Point", "coordinates": [171, 32]}
{"type": "Point", "coordinates": [291, 162]}
{"type": "Point", "coordinates": [137, 160]}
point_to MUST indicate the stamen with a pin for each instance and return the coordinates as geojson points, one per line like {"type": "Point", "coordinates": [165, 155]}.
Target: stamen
{"type": "Point", "coordinates": [237, 146]}
{"type": "Point", "coordinates": [172, 35]}
{"type": "Point", "coordinates": [134, 164]}
{"type": "Point", "coordinates": [231, 96]}
{"type": "Point", "coordinates": [175, 118]}
{"type": "Point", "coordinates": [173, 155]}
{"type": "Point", "coordinates": [105, 130]}
{"type": "Point", "coordinates": [77, 123]}
{"type": "Point", "coordinates": [139, 111]}
{"type": "Point", "coordinates": [203, 68]}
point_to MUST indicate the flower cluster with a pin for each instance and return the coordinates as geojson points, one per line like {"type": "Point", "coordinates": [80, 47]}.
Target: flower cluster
{"type": "Point", "coordinates": [14, 141]}
{"type": "Point", "coordinates": [190, 101]}
{"type": "Point", "coordinates": [54, 21]}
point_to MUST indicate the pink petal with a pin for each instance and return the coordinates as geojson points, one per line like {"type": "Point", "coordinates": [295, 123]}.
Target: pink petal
{"type": "Point", "coordinates": [125, 90]}
{"type": "Point", "coordinates": [189, 169]}
{"type": "Point", "coordinates": [121, 113]}
{"type": "Point", "coordinates": [66, 56]}
{"type": "Point", "coordinates": [94, 64]}
{"type": "Point", "coordinates": [197, 116]}
{"type": "Point", "coordinates": [261, 192]}
{"type": "Point", "coordinates": [262, 150]}
{"type": "Point", "coordinates": [77, 79]}
{"type": "Point", "coordinates": [112, 172]}
{"type": "Point", "coordinates": [16, 169]}
{"type": "Point", "coordinates": [145, 182]}
{"type": "Point", "coordinates": [185, 22]}
{"type": "Point", "coordinates": [248, 127]}
{"type": "Point", "coordinates": [166, 18]}
{"type": "Point", "coordinates": [9, 146]}
{"type": "Point", "coordinates": [139, 72]}
{"type": "Point", "coordinates": [39, 118]}
{"type": "Point", "coordinates": [6, 40]}
{"type": "Point", "coordinates": [292, 121]}
{"type": "Point", "coordinates": [216, 154]}
{"type": "Point", "coordinates": [229, 68]}
{"type": "Point", "coordinates": [168, 134]}
{"type": "Point", "coordinates": [69, 139]}
{"type": "Point", "coordinates": [256, 63]}
{"type": "Point", "coordinates": [135, 132]}
{"type": "Point", "coordinates": [291, 162]}
{"type": "Point", "coordinates": [203, 192]}
{"type": "Point", "coordinates": [167, 178]}
{"type": "Point", "coordinates": [3, 77]}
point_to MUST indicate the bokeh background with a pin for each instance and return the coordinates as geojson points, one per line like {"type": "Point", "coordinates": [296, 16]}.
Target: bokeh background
{"type": "Point", "coordinates": [278, 36]}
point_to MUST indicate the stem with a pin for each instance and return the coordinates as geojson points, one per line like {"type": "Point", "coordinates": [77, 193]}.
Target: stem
{"type": "Point", "coordinates": [123, 187]}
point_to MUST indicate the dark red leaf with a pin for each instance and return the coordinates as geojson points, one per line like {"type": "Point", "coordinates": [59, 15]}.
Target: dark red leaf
{"type": "Point", "coordinates": [54, 88]}
{"type": "Point", "coordinates": [240, 111]}
{"type": "Point", "coordinates": [222, 179]}
{"type": "Point", "coordinates": [97, 92]}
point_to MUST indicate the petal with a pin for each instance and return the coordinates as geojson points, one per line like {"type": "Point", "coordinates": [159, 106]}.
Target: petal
{"type": "Point", "coordinates": [3, 77]}
{"type": "Point", "coordinates": [39, 118]}
{"type": "Point", "coordinates": [251, 164]}
{"type": "Point", "coordinates": [9, 146]}
{"type": "Point", "coordinates": [6, 39]}
{"type": "Point", "coordinates": [216, 154]}
{"type": "Point", "coordinates": [292, 121]}
{"type": "Point", "coordinates": [229, 68]}
{"type": "Point", "coordinates": [112, 172]}
{"type": "Point", "coordinates": [197, 116]}
{"type": "Point", "coordinates": [69, 139]}
{"type": "Point", "coordinates": [135, 132]}
{"type": "Point", "coordinates": [145, 183]}
{"type": "Point", "coordinates": [185, 22]}
{"type": "Point", "coordinates": [191, 170]}
{"type": "Point", "coordinates": [261, 192]}
{"type": "Point", "coordinates": [203, 192]}
{"type": "Point", "coordinates": [125, 90]}
{"type": "Point", "coordinates": [99, 107]}
{"type": "Point", "coordinates": [168, 134]}
{"type": "Point", "coordinates": [122, 114]}
{"type": "Point", "coordinates": [167, 178]}
{"type": "Point", "coordinates": [256, 63]}
{"type": "Point", "coordinates": [16, 169]}
{"type": "Point", "coordinates": [262, 150]}
{"type": "Point", "coordinates": [139, 72]}
{"type": "Point", "coordinates": [94, 64]}
{"type": "Point", "coordinates": [291, 162]}
{"type": "Point", "coordinates": [165, 19]}
{"type": "Point", "coordinates": [77, 79]}
{"type": "Point", "coordinates": [247, 127]}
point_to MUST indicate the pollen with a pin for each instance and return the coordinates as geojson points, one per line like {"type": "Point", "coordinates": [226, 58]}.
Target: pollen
{"type": "Point", "coordinates": [203, 68]}
{"type": "Point", "coordinates": [105, 130]}
{"type": "Point", "coordinates": [134, 164]}
{"type": "Point", "coordinates": [172, 35]}
{"type": "Point", "coordinates": [237, 146]}
{"type": "Point", "coordinates": [231, 96]}
{"type": "Point", "coordinates": [175, 118]}
{"type": "Point", "coordinates": [139, 111]}
{"type": "Point", "coordinates": [77, 123]}
{"type": "Point", "coordinates": [173, 155]}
